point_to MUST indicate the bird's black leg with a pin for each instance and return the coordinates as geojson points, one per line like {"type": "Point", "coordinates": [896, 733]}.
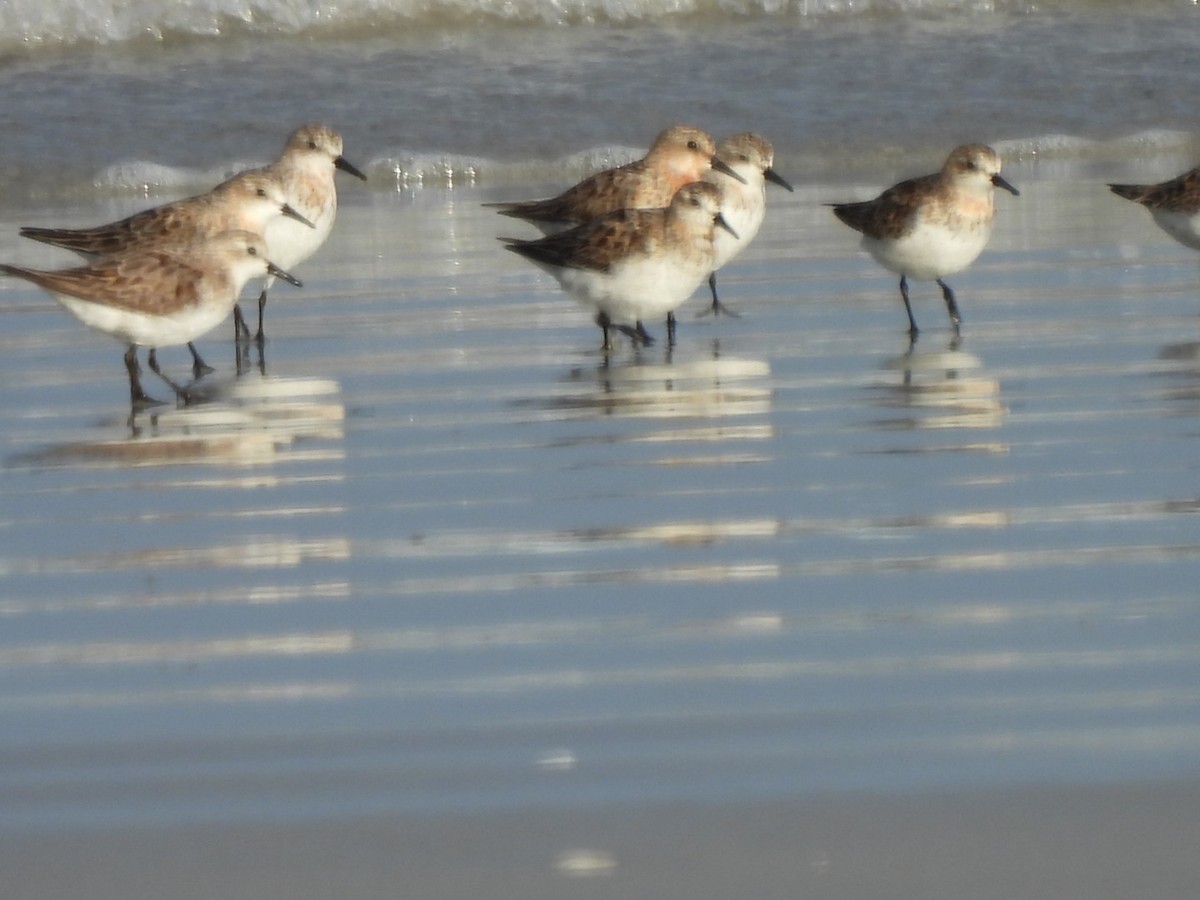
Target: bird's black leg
{"type": "Point", "coordinates": [951, 306]}
{"type": "Point", "coordinates": [717, 306]}
{"type": "Point", "coordinates": [641, 336]}
{"type": "Point", "coordinates": [913, 331]}
{"type": "Point", "coordinates": [138, 398]}
{"type": "Point", "coordinates": [670, 329]}
{"type": "Point", "coordinates": [605, 324]}
{"type": "Point", "coordinates": [262, 303]}
{"type": "Point", "coordinates": [241, 331]}
{"type": "Point", "coordinates": [199, 367]}
{"type": "Point", "coordinates": [181, 393]}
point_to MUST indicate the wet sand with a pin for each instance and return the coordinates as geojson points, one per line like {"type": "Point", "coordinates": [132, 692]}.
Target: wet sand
{"type": "Point", "coordinates": [811, 613]}
{"type": "Point", "coordinates": [1096, 843]}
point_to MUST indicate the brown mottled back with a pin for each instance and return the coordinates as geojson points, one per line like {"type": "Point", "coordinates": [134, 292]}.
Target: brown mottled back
{"type": "Point", "coordinates": [891, 214]}
{"type": "Point", "coordinates": [153, 281]}
{"type": "Point", "coordinates": [680, 154]}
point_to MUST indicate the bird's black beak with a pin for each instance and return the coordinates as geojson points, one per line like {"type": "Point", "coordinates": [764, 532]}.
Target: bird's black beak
{"type": "Point", "coordinates": [287, 210]}
{"type": "Point", "coordinates": [273, 269]}
{"type": "Point", "coordinates": [346, 166]}
{"type": "Point", "coordinates": [774, 177]}
{"type": "Point", "coordinates": [1001, 183]}
{"type": "Point", "coordinates": [720, 166]}
{"type": "Point", "coordinates": [719, 221]}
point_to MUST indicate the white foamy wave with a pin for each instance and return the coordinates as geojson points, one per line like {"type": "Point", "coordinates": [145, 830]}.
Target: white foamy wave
{"type": "Point", "coordinates": [404, 170]}
{"type": "Point", "coordinates": [54, 22]}
{"type": "Point", "coordinates": [152, 179]}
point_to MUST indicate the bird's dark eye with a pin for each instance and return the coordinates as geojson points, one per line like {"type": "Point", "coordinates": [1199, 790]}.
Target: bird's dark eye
{"type": "Point", "coordinates": [262, 193]}
{"type": "Point", "coordinates": [253, 251]}
{"type": "Point", "coordinates": [692, 145]}
{"type": "Point", "coordinates": [312, 145]}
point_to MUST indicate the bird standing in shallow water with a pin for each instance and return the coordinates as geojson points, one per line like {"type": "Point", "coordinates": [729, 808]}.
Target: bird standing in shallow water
{"type": "Point", "coordinates": [305, 168]}
{"type": "Point", "coordinates": [634, 264]}
{"type": "Point", "coordinates": [158, 295]}
{"type": "Point", "coordinates": [248, 201]}
{"type": "Point", "coordinates": [743, 199]}
{"type": "Point", "coordinates": [930, 227]}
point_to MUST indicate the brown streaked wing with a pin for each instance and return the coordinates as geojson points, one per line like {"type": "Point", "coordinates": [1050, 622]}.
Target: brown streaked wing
{"type": "Point", "coordinates": [891, 214]}
{"type": "Point", "coordinates": [161, 223]}
{"type": "Point", "coordinates": [153, 282]}
{"type": "Point", "coordinates": [595, 245]}
{"type": "Point", "coordinates": [596, 196]}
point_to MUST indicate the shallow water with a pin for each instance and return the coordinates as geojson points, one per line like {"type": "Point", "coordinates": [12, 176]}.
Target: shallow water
{"type": "Point", "coordinates": [444, 558]}
{"type": "Point", "coordinates": [126, 103]}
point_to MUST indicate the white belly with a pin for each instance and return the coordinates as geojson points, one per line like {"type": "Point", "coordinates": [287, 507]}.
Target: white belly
{"type": "Point", "coordinates": [1184, 227]}
{"type": "Point", "coordinates": [639, 290]}
{"type": "Point", "coordinates": [930, 251]}
{"type": "Point", "coordinates": [147, 331]}
{"type": "Point", "coordinates": [744, 210]}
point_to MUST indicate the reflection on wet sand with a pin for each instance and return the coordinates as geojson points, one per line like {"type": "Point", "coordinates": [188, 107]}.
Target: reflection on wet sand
{"type": "Point", "coordinates": [249, 421]}
{"type": "Point", "coordinates": [703, 392]}
{"type": "Point", "coordinates": [707, 388]}
{"type": "Point", "coordinates": [1186, 392]}
{"type": "Point", "coordinates": [940, 389]}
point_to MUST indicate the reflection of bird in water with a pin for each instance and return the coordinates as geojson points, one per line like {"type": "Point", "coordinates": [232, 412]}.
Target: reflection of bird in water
{"type": "Point", "coordinates": [711, 388]}
{"type": "Point", "coordinates": [940, 389]}
{"type": "Point", "coordinates": [1183, 385]}
{"type": "Point", "coordinates": [248, 422]}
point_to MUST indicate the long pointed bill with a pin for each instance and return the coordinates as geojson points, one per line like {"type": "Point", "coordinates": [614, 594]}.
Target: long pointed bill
{"type": "Point", "coordinates": [287, 210]}
{"type": "Point", "coordinates": [273, 269]}
{"type": "Point", "coordinates": [721, 166]}
{"type": "Point", "coordinates": [775, 178]}
{"type": "Point", "coordinates": [719, 221]}
{"type": "Point", "coordinates": [346, 166]}
{"type": "Point", "coordinates": [1001, 183]}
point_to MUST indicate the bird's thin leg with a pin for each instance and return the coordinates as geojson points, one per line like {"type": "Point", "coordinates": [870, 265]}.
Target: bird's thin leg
{"type": "Point", "coordinates": [913, 331]}
{"type": "Point", "coordinates": [138, 398]}
{"type": "Point", "coordinates": [951, 306]}
{"type": "Point", "coordinates": [199, 367]}
{"type": "Point", "coordinates": [717, 307]}
{"type": "Point", "coordinates": [180, 392]}
{"type": "Point", "coordinates": [262, 303]}
{"type": "Point", "coordinates": [605, 323]}
{"type": "Point", "coordinates": [241, 331]}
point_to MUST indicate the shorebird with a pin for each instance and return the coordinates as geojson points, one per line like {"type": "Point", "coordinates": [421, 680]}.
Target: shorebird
{"type": "Point", "coordinates": [743, 199]}
{"type": "Point", "coordinates": [634, 264]}
{"type": "Point", "coordinates": [679, 155]}
{"type": "Point", "coordinates": [159, 294]}
{"type": "Point", "coordinates": [248, 201]}
{"type": "Point", "coordinates": [930, 227]}
{"type": "Point", "coordinates": [305, 168]}
{"type": "Point", "coordinates": [1174, 205]}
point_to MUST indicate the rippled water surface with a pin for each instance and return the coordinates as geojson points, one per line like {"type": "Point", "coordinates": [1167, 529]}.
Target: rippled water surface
{"type": "Point", "coordinates": [434, 553]}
